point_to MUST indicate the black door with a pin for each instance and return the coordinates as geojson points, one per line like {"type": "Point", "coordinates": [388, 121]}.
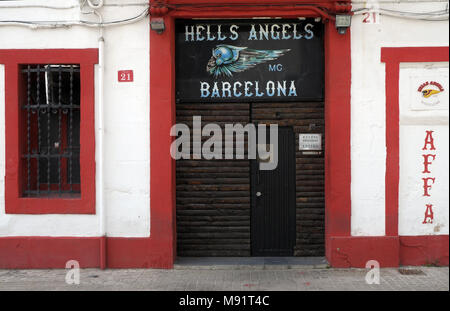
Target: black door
{"type": "Point", "coordinates": [273, 201]}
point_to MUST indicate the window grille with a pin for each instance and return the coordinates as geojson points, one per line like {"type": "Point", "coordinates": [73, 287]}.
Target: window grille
{"type": "Point", "coordinates": [50, 130]}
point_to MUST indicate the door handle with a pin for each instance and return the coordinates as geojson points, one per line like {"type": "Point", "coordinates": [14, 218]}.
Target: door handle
{"type": "Point", "coordinates": [258, 194]}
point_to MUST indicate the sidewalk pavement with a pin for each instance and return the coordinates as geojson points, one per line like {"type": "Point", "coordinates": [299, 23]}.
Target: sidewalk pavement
{"type": "Point", "coordinates": [245, 279]}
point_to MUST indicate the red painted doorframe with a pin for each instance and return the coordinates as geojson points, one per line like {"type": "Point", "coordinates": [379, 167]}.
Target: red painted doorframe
{"type": "Point", "coordinates": [162, 108]}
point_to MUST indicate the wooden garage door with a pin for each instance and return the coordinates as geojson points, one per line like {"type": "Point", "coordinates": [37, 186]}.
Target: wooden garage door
{"type": "Point", "coordinates": [213, 196]}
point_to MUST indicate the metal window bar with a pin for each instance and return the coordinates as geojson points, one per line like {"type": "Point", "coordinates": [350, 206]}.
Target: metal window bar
{"type": "Point", "coordinates": [51, 145]}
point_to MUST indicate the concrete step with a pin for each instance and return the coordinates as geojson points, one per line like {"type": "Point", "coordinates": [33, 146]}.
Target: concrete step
{"type": "Point", "coordinates": [254, 263]}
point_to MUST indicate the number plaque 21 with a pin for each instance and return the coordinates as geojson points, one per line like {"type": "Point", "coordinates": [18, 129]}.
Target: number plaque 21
{"type": "Point", "coordinates": [125, 75]}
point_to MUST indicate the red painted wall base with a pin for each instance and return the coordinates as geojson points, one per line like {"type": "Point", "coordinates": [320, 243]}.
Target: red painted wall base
{"type": "Point", "coordinates": [424, 250]}
{"type": "Point", "coordinates": [346, 252]}
{"type": "Point", "coordinates": [54, 252]}
{"type": "Point", "coordinates": [389, 251]}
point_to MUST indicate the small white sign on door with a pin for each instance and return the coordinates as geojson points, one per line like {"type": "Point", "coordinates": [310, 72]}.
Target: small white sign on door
{"type": "Point", "coordinates": [310, 141]}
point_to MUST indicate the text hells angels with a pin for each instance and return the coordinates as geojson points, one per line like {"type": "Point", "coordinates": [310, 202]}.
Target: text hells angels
{"type": "Point", "coordinates": [257, 32]}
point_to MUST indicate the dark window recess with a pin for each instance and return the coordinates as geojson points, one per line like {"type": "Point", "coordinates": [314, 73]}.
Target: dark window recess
{"type": "Point", "coordinates": [50, 130]}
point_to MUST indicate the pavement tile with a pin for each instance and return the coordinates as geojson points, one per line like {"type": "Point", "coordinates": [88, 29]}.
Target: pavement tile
{"type": "Point", "coordinates": [281, 279]}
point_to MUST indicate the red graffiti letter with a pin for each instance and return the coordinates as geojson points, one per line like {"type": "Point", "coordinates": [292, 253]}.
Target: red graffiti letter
{"type": "Point", "coordinates": [426, 162]}
{"type": "Point", "coordinates": [428, 215]}
{"type": "Point", "coordinates": [426, 186]}
{"type": "Point", "coordinates": [429, 141]}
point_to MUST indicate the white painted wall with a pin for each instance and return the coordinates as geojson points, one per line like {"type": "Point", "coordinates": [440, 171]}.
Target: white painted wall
{"type": "Point", "coordinates": [127, 145]}
{"type": "Point", "coordinates": [368, 108]}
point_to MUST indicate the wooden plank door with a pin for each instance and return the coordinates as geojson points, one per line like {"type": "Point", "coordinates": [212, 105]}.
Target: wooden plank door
{"type": "Point", "coordinates": [273, 201]}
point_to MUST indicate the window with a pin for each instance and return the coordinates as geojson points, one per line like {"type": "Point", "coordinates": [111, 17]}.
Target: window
{"type": "Point", "coordinates": [49, 127]}
{"type": "Point", "coordinates": [50, 133]}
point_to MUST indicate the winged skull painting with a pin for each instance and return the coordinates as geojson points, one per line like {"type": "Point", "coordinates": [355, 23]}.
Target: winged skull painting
{"type": "Point", "coordinates": [228, 59]}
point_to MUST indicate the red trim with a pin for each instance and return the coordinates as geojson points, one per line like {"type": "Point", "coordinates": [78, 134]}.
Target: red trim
{"type": "Point", "coordinates": [392, 151]}
{"type": "Point", "coordinates": [249, 8]}
{"type": "Point", "coordinates": [307, 11]}
{"type": "Point", "coordinates": [14, 203]}
{"type": "Point", "coordinates": [424, 250]}
{"type": "Point", "coordinates": [337, 134]}
{"type": "Point", "coordinates": [266, 3]}
{"type": "Point", "coordinates": [393, 57]}
{"type": "Point", "coordinates": [389, 251]}
{"type": "Point", "coordinates": [48, 252]}
{"type": "Point", "coordinates": [162, 117]}
{"type": "Point", "coordinates": [354, 251]}
{"type": "Point", "coordinates": [54, 252]}
{"type": "Point", "coordinates": [140, 252]}
{"type": "Point", "coordinates": [102, 252]}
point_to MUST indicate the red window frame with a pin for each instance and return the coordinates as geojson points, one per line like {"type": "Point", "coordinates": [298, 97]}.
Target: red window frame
{"type": "Point", "coordinates": [14, 203]}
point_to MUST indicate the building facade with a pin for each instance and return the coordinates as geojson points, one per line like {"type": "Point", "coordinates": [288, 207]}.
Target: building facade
{"type": "Point", "coordinates": [90, 92]}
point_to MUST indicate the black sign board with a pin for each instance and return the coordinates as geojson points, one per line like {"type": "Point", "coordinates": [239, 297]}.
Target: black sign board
{"type": "Point", "coordinates": [249, 60]}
